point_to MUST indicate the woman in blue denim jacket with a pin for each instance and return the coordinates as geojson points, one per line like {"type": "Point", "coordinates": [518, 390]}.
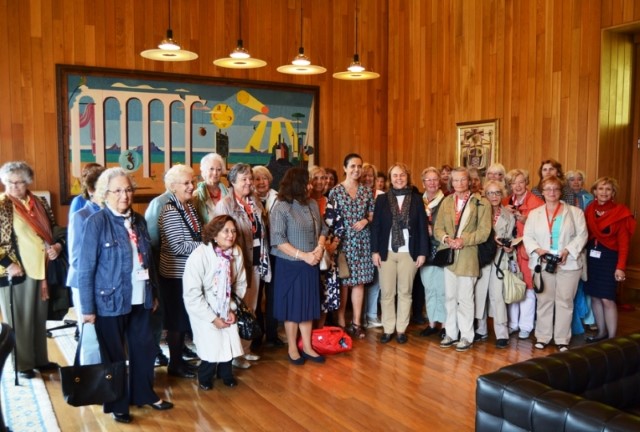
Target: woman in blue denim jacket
{"type": "Point", "coordinates": [118, 289]}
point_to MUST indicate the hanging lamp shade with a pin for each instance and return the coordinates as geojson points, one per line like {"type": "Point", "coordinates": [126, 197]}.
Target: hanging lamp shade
{"type": "Point", "coordinates": [301, 65]}
{"type": "Point", "coordinates": [168, 48]}
{"type": "Point", "coordinates": [356, 71]}
{"type": "Point", "coordinates": [240, 58]}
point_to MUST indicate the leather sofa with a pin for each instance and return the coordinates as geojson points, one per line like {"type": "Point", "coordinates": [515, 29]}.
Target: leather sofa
{"type": "Point", "coordinates": [590, 388]}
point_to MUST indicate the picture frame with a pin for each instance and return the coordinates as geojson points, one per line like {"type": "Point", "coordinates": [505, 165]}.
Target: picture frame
{"type": "Point", "coordinates": [146, 122]}
{"type": "Point", "coordinates": [477, 144]}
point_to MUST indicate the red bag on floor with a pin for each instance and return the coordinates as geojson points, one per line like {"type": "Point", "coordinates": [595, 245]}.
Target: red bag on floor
{"type": "Point", "coordinates": [329, 340]}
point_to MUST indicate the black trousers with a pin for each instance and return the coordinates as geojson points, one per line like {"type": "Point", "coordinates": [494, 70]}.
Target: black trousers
{"type": "Point", "coordinates": [208, 371]}
{"type": "Point", "coordinates": [130, 333]}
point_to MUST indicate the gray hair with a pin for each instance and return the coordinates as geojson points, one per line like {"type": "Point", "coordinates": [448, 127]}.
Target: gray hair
{"type": "Point", "coordinates": [102, 185]}
{"type": "Point", "coordinates": [462, 170]}
{"type": "Point", "coordinates": [575, 173]}
{"type": "Point", "coordinates": [210, 158]}
{"type": "Point", "coordinates": [262, 171]}
{"type": "Point", "coordinates": [172, 176]}
{"type": "Point", "coordinates": [496, 167]}
{"type": "Point", "coordinates": [20, 168]}
{"type": "Point", "coordinates": [430, 170]}
{"type": "Point", "coordinates": [239, 168]}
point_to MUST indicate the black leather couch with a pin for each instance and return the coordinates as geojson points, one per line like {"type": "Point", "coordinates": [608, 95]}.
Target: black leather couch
{"type": "Point", "coordinates": [590, 388]}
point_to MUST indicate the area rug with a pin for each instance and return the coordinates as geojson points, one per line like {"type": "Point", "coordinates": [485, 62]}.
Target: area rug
{"type": "Point", "coordinates": [26, 407]}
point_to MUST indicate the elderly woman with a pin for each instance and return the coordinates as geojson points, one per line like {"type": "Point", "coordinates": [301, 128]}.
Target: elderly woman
{"type": "Point", "coordinates": [490, 285]}
{"type": "Point", "coordinates": [210, 190]}
{"type": "Point", "coordinates": [575, 180]}
{"type": "Point", "coordinates": [433, 276]}
{"type": "Point", "coordinates": [332, 180]}
{"type": "Point", "coordinates": [90, 353]}
{"type": "Point", "coordinates": [496, 172]}
{"type": "Point", "coordinates": [381, 181]}
{"type": "Point", "coordinates": [399, 245]}
{"type": "Point", "coordinates": [87, 176]}
{"type": "Point", "coordinates": [553, 168]}
{"type": "Point", "coordinates": [554, 236]}
{"type": "Point", "coordinates": [445, 173]}
{"type": "Point", "coordinates": [180, 234]}
{"type": "Point", "coordinates": [353, 204]}
{"type": "Point", "coordinates": [520, 203]}
{"type": "Point", "coordinates": [464, 221]}
{"type": "Point", "coordinates": [476, 181]}
{"type": "Point", "coordinates": [297, 234]}
{"type": "Point", "coordinates": [611, 226]}
{"type": "Point", "coordinates": [213, 271]}
{"type": "Point", "coordinates": [247, 210]}
{"type": "Point", "coordinates": [318, 179]}
{"type": "Point", "coordinates": [118, 289]}
{"type": "Point", "coordinates": [29, 240]}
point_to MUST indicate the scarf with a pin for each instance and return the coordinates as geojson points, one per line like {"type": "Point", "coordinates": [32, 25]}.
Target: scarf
{"type": "Point", "coordinates": [399, 216]}
{"type": "Point", "coordinates": [613, 216]}
{"type": "Point", "coordinates": [222, 280]}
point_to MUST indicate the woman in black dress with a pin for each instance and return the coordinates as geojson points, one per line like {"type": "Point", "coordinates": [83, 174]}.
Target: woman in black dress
{"type": "Point", "coordinates": [611, 226]}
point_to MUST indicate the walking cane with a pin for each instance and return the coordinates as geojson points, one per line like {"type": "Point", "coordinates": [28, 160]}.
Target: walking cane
{"type": "Point", "coordinates": [13, 324]}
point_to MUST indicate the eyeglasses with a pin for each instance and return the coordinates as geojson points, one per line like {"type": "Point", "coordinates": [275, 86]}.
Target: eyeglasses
{"type": "Point", "coordinates": [187, 183]}
{"type": "Point", "coordinates": [551, 190]}
{"type": "Point", "coordinates": [228, 231]}
{"type": "Point", "coordinates": [17, 183]}
{"type": "Point", "coordinates": [493, 193]}
{"type": "Point", "coordinates": [119, 192]}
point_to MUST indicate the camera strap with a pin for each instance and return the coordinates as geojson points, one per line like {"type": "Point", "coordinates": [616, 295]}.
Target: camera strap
{"type": "Point", "coordinates": [538, 270]}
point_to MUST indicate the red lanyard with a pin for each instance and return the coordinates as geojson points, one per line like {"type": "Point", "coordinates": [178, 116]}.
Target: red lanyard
{"type": "Point", "coordinates": [459, 212]}
{"type": "Point", "coordinates": [193, 220]}
{"type": "Point", "coordinates": [249, 211]}
{"type": "Point", "coordinates": [134, 238]}
{"type": "Point", "coordinates": [550, 223]}
{"type": "Point", "coordinates": [497, 216]}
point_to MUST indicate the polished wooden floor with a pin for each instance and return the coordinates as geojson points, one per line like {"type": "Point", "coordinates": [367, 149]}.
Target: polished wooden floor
{"type": "Point", "coordinates": [416, 386]}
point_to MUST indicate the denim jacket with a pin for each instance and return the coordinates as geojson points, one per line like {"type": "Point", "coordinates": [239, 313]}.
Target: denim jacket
{"type": "Point", "coordinates": [106, 264]}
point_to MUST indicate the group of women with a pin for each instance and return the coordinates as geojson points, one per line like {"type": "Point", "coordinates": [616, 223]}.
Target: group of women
{"type": "Point", "coordinates": [203, 246]}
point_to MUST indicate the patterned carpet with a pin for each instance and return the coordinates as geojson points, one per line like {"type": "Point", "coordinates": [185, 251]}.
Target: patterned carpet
{"type": "Point", "coordinates": [26, 408]}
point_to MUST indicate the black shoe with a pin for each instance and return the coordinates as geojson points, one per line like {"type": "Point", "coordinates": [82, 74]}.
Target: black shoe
{"type": "Point", "coordinates": [122, 418]}
{"type": "Point", "coordinates": [428, 331]}
{"type": "Point", "coordinates": [480, 338]}
{"type": "Point", "coordinates": [385, 338]}
{"type": "Point", "coordinates": [161, 406]}
{"type": "Point", "coordinates": [315, 359]}
{"type": "Point", "coordinates": [401, 338]}
{"type": "Point", "coordinates": [417, 319]}
{"type": "Point", "coordinates": [161, 359]}
{"type": "Point", "coordinates": [189, 353]}
{"type": "Point", "coordinates": [181, 372]}
{"type": "Point", "coordinates": [230, 382]}
{"type": "Point", "coordinates": [443, 333]}
{"type": "Point", "coordinates": [275, 343]}
{"type": "Point", "coordinates": [298, 362]}
{"type": "Point", "coordinates": [28, 373]}
{"type": "Point", "coordinates": [502, 343]}
{"type": "Point", "coordinates": [594, 339]}
{"type": "Point", "coordinates": [51, 366]}
{"type": "Point", "coordinates": [205, 387]}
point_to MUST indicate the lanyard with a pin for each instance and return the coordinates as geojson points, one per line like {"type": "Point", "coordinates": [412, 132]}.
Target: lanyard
{"type": "Point", "coordinates": [194, 222]}
{"type": "Point", "coordinates": [249, 211]}
{"type": "Point", "coordinates": [464, 204]}
{"type": "Point", "coordinates": [496, 216]}
{"type": "Point", "coordinates": [134, 238]}
{"type": "Point", "coordinates": [550, 223]}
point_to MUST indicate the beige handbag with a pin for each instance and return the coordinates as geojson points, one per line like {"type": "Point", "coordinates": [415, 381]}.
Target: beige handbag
{"type": "Point", "coordinates": [343, 267]}
{"type": "Point", "coordinates": [514, 289]}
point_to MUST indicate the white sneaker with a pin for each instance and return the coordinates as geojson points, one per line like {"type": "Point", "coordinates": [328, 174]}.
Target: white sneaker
{"type": "Point", "coordinates": [240, 363]}
{"type": "Point", "coordinates": [513, 330]}
{"type": "Point", "coordinates": [463, 345]}
{"type": "Point", "coordinates": [524, 334]}
{"type": "Point", "coordinates": [373, 322]}
{"type": "Point", "coordinates": [251, 357]}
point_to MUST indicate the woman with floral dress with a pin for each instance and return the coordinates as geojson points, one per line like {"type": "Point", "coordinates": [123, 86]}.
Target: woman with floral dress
{"type": "Point", "coordinates": [354, 203]}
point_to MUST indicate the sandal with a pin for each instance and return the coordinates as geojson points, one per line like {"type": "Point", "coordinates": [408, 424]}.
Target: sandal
{"type": "Point", "coordinates": [356, 331]}
{"type": "Point", "coordinates": [540, 345]}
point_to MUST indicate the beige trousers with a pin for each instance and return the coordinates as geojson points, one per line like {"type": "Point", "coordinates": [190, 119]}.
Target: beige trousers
{"type": "Point", "coordinates": [459, 292]}
{"type": "Point", "coordinates": [396, 277]}
{"type": "Point", "coordinates": [555, 306]}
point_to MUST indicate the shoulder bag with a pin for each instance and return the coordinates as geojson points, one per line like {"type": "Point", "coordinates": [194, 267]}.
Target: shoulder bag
{"type": "Point", "coordinates": [93, 384]}
{"type": "Point", "coordinates": [445, 257]}
{"type": "Point", "coordinates": [248, 326]}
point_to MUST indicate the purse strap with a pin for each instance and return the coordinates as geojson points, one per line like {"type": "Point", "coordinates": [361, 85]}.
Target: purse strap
{"type": "Point", "coordinates": [104, 356]}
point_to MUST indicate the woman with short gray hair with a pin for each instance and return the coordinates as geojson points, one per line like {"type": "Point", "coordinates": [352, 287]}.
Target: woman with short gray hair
{"type": "Point", "coordinates": [210, 190]}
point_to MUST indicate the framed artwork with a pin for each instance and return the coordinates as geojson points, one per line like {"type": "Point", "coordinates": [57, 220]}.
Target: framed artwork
{"type": "Point", "coordinates": [146, 122]}
{"type": "Point", "coordinates": [477, 144]}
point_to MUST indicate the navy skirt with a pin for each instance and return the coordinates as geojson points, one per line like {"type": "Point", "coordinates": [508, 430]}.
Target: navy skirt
{"type": "Point", "coordinates": [601, 281]}
{"type": "Point", "coordinates": [297, 291]}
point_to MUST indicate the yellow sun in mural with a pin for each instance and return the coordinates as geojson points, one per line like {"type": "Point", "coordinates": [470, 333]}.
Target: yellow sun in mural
{"type": "Point", "coordinates": [222, 116]}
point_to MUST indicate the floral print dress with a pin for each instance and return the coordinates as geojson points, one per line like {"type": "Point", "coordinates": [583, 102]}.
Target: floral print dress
{"type": "Point", "coordinates": [356, 245]}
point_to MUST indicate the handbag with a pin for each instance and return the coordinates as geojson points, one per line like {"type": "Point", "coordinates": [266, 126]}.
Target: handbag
{"type": "Point", "coordinates": [248, 326]}
{"type": "Point", "coordinates": [325, 262]}
{"type": "Point", "coordinates": [343, 267]}
{"type": "Point", "coordinates": [329, 340]}
{"type": "Point", "coordinates": [487, 250]}
{"type": "Point", "coordinates": [443, 257]}
{"type": "Point", "coordinates": [93, 384]}
{"type": "Point", "coordinates": [514, 289]}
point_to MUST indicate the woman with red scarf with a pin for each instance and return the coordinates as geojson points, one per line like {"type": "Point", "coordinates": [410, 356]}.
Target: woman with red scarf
{"type": "Point", "coordinates": [611, 226]}
{"type": "Point", "coordinates": [27, 226]}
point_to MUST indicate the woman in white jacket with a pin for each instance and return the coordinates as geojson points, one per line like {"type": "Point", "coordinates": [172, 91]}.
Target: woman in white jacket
{"type": "Point", "coordinates": [212, 272]}
{"type": "Point", "coordinates": [555, 231]}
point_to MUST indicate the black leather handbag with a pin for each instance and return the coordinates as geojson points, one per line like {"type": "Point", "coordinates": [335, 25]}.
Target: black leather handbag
{"type": "Point", "coordinates": [93, 384]}
{"type": "Point", "coordinates": [443, 257]}
{"type": "Point", "coordinates": [248, 326]}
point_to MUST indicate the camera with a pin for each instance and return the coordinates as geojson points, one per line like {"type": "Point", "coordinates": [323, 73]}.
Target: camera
{"type": "Point", "coordinates": [552, 263]}
{"type": "Point", "coordinates": [505, 242]}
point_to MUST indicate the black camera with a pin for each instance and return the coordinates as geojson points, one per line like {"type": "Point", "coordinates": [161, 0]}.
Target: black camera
{"type": "Point", "coordinates": [505, 242]}
{"type": "Point", "coordinates": [551, 263]}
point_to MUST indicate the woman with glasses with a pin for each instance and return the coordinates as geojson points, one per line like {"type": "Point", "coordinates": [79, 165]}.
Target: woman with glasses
{"type": "Point", "coordinates": [246, 209]}
{"type": "Point", "coordinates": [520, 203]}
{"type": "Point", "coordinates": [490, 285]}
{"type": "Point", "coordinates": [611, 226]}
{"type": "Point", "coordinates": [30, 241]}
{"type": "Point", "coordinates": [554, 236]}
{"type": "Point", "coordinates": [118, 290]}
{"type": "Point", "coordinates": [180, 234]}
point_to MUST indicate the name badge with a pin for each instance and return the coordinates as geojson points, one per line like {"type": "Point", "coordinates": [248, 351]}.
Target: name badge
{"type": "Point", "coordinates": [594, 253]}
{"type": "Point", "coordinates": [142, 274]}
{"type": "Point", "coordinates": [256, 242]}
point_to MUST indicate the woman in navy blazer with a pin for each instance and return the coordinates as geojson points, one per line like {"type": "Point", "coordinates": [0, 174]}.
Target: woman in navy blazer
{"type": "Point", "coordinates": [399, 245]}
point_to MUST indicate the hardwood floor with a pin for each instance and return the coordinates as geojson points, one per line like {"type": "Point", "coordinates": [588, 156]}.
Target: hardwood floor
{"type": "Point", "coordinates": [374, 387]}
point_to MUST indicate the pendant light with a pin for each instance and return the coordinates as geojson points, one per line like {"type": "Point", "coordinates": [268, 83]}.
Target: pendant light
{"type": "Point", "coordinates": [355, 71]}
{"type": "Point", "coordinates": [240, 57]}
{"type": "Point", "coordinates": [301, 65]}
{"type": "Point", "coordinates": [168, 49]}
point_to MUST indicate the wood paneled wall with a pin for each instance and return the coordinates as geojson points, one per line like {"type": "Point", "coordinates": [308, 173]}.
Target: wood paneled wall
{"type": "Point", "coordinates": [533, 64]}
